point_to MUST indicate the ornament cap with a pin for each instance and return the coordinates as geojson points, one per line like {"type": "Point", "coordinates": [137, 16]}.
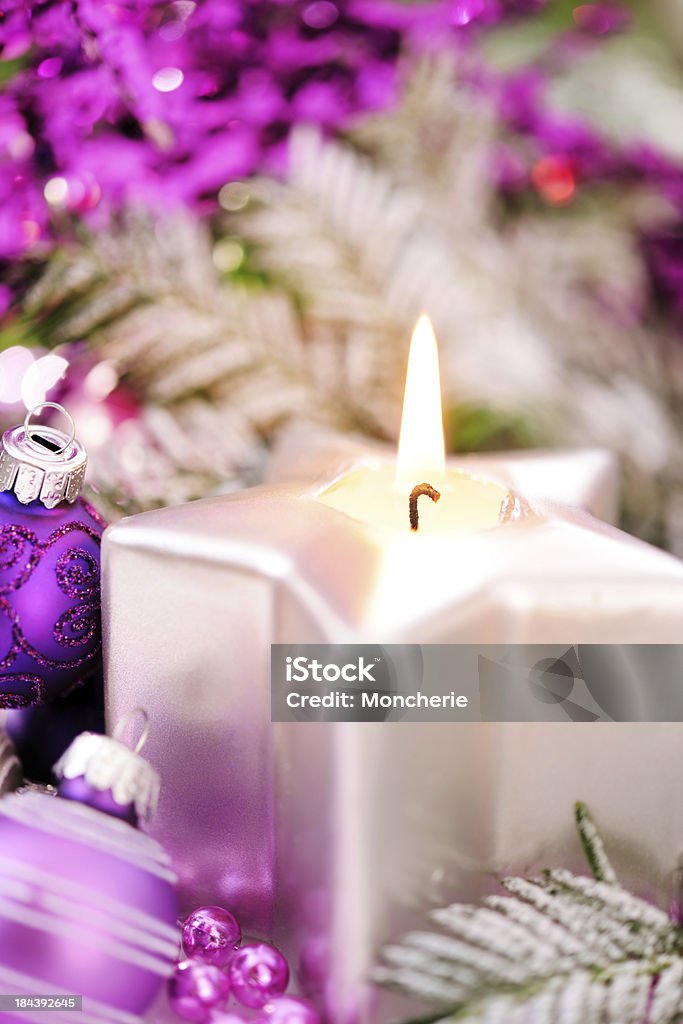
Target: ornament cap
{"type": "Point", "coordinates": [109, 767]}
{"type": "Point", "coordinates": [42, 463]}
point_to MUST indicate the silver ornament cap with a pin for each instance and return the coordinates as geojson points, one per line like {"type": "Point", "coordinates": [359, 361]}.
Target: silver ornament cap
{"type": "Point", "coordinates": [108, 765]}
{"type": "Point", "coordinates": [42, 463]}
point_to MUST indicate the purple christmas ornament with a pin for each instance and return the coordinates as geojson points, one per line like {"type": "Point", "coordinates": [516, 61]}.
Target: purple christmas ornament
{"type": "Point", "coordinates": [288, 1010]}
{"type": "Point", "coordinates": [211, 934]}
{"type": "Point", "coordinates": [258, 974]}
{"type": "Point", "coordinates": [89, 902]}
{"type": "Point", "coordinates": [49, 566]}
{"type": "Point", "coordinates": [195, 989]}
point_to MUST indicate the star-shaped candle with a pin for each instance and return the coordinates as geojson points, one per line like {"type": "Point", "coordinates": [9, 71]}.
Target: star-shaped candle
{"type": "Point", "coordinates": [360, 826]}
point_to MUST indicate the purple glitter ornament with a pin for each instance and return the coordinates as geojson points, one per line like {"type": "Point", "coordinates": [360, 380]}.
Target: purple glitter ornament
{"type": "Point", "coordinates": [195, 989]}
{"type": "Point", "coordinates": [49, 567]}
{"type": "Point", "coordinates": [90, 904]}
{"type": "Point", "coordinates": [258, 974]}
{"type": "Point", "coordinates": [211, 934]}
{"type": "Point", "coordinates": [288, 1010]}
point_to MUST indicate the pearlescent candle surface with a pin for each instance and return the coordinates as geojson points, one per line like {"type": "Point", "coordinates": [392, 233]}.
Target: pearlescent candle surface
{"type": "Point", "coordinates": [585, 478]}
{"type": "Point", "coordinates": [370, 495]}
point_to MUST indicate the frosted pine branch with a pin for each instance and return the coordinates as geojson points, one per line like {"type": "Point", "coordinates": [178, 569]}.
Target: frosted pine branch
{"type": "Point", "coordinates": [558, 948]}
{"type": "Point", "coordinates": [593, 846]}
{"type": "Point", "coordinates": [218, 368]}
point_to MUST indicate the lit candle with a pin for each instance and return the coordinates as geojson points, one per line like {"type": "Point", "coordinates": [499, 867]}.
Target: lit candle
{"type": "Point", "coordinates": [359, 827]}
{"type": "Point", "coordinates": [419, 493]}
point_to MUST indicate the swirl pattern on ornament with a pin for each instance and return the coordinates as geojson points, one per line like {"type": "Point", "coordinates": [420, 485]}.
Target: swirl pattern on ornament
{"type": "Point", "coordinates": [13, 541]}
{"type": "Point", "coordinates": [78, 573]}
{"type": "Point", "coordinates": [15, 701]}
{"type": "Point", "coordinates": [76, 629]}
{"type": "Point", "coordinates": [77, 626]}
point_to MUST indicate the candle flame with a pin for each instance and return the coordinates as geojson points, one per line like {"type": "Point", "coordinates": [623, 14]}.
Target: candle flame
{"type": "Point", "coordinates": [421, 448]}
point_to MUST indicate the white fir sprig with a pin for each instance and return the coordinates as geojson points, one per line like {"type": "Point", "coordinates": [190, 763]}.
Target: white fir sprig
{"type": "Point", "coordinates": [557, 949]}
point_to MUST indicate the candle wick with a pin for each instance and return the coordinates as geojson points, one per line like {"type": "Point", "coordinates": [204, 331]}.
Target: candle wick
{"type": "Point", "coordinates": [416, 492]}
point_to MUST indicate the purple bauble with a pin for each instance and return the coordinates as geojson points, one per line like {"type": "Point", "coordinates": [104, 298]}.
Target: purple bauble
{"type": "Point", "coordinates": [195, 989]}
{"type": "Point", "coordinates": [89, 904]}
{"type": "Point", "coordinates": [258, 974]}
{"type": "Point", "coordinates": [288, 1010]}
{"type": "Point", "coordinates": [211, 934]}
{"type": "Point", "coordinates": [49, 567]}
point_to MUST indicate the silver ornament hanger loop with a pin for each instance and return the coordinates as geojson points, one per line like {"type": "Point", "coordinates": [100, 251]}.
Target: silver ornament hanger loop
{"type": "Point", "coordinates": [123, 724]}
{"type": "Point", "coordinates": [29, 428]}
{"type": "Point", "coordinates": [42, 463]}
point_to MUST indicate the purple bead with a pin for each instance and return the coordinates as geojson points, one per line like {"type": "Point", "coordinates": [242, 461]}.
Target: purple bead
{"type": "Point", "coordinates": [195, 989]}
{"type": "Point", "coordinates": [258, 974]}
{"type": "Point", "coordinates": [289, 1010]}
{"type": "Point", "coordinates": [211, 934]}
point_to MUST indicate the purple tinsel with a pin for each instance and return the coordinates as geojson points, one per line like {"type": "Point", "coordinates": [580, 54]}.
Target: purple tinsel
{"type": "Point", "coordinates": [162, 103]}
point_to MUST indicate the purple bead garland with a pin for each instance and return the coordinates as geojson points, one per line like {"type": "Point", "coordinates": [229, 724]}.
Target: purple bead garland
{"type": "Point", "coordinates": [211, 934]}
{"type": "Point", "coordinates": [195, 989]}
{"type": "Point", "coordinates": [256, 975]}
{"type": "Point", "coordinates": [288, 1010]}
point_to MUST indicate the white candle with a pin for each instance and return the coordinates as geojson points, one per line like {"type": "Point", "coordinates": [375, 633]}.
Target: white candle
{"type": "Point", "coordinates": [360, 827]}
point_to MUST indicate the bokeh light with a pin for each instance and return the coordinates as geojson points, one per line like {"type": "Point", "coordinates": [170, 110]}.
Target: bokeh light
{"type": "Point", "coordinates": [168, 79]}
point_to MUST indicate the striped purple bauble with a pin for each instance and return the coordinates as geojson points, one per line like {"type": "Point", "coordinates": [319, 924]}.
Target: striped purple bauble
{"type": "Point", "coordinates": [87, 902]}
